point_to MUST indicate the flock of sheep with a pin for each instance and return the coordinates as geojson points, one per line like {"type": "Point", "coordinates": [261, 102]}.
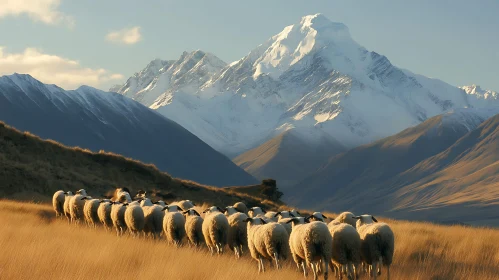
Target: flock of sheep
{"type": "Point", "coordinates": [350, 245]}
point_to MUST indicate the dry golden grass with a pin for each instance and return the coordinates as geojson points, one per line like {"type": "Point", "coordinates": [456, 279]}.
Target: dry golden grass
{"type": "Point", "coordinates": [36, 246]}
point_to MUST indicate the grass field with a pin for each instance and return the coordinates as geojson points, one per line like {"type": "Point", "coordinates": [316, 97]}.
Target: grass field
{"type": "Point", "coordinates": [37, 246]}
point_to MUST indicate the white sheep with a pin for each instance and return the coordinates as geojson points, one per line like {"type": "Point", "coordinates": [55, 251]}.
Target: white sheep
{"type": "Point", "coordinates": [90, 211]}
{"type": "Point", "coordinates": [346, 249]}
{"type": "Point", "coordinates": [185, 204]}
{"type": "Point", "coordinates": [134, 218]}
{"type": "Point", "coordinates": [153, 218]}
{"type": "Point", "coordinates": [347, 218]}
{"type": "Point", "coordinates": [118, 217]}
{"type": "Point", "coordinates": [311, 244]}
{"type": "Point", "coordinates": [174, 226]}
{"type": "Point", "coordinates": [295, 213]}
{"type": "Point", "coordinates": [194, 227]}
{"type": "Point", "coordinates": [241, 207]}
{"type": "Point", "coordinates": [67, 200]}
{"type": "Point", "coordinates": [215, 229]}
{"type": "Point", "coordinates": [377, 244]}
{"type": "Point", "coordinates": [76, 205]}
{"type": "Point", "coordinates": [237, 237]}
{"type": "Point", "coordinates": [288, 226]}
{"type": "Point", "coordinates": [271, 215]}
{"type": "Point", "coordinates": [58, 203]}
{"type": "Point", "coordinates": [317, 216]}
{"type": "Point", "coordinates": [160, 203]}
{"type": "Point", "coordinates": [104, 213]}
{"type": "Point", "coordinates": [255, 211]}
{"type": "Point", "coordinates": [122, 195]}
{"type": "Point", "coordinates": [267, 241]}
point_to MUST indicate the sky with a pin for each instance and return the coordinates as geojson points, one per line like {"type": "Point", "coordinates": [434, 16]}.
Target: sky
{"type": "Point", "coordinates": [103, 42]}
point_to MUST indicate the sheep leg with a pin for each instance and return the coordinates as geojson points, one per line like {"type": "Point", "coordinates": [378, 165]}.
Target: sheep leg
{"type": "Point", "coordinates": [314, 270]}
{"type": "Point", "coordinates": [326, 272]}
{"type": "Point", "coordinates": [262, 265]}
{"type": "Point", "coordinates": [380, 264]}
{"type": "Point", "coordinates": [373, 270]}
{"type": "Point", "coordinates": [304, 269]}
{"type": "Point", "coordinates": [388, 272]}
{"type": "Point", "coordinates": [276, 258]}
{"type": "Point", "coordinates": [236, 251]}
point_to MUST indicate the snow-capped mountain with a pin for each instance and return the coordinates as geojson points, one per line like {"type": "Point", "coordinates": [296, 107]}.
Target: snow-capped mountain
{"type": "Point", "coordinates": [97, 120]}
{"type": "Point", "coordinates": [311, 74]}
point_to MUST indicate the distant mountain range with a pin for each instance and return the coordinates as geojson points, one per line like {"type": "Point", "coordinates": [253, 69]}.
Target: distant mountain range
{"type": "Point", "coordinates": [445, 170]}
{"type": "Point", "coordinates": [97, 120]}
{"type": "Point", "coordinates": [310, 75]}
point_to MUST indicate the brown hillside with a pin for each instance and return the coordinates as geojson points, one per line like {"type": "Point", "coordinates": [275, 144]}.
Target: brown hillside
{"type": "Point", "coordinates": [435, 171]}
{"type": "Point", "coordinates": [33, 169]}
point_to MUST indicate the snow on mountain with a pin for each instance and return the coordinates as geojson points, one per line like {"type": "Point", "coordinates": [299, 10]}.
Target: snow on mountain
{"type": "Point", "coordinates": [97, 120]}
{"type": "Point", "coordinates": [311, 74]}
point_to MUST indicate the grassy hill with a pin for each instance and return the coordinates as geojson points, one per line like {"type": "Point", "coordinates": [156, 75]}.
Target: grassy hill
{"type": "Point", "coordinates": [33, 169]}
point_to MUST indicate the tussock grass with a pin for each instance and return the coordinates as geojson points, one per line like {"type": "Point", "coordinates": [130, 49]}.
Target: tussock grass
{"type": "Point", "coordinates": [37, 246]}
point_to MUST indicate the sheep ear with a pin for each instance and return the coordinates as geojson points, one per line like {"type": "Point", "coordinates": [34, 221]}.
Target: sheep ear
{"type": "Point", "coordinates": [247, 220]}
{"type": "Point", "coordinates": [196, 212]}
{"type": "Point", "coordinates": [374, 219]}
{"type": "Point", "coordinates": [180, 208]}
{"type": "Point", "coordinates": [193, 203]}
{"type": "Point", "coordinates": [264, 211]}
{"type": "Point", "coordinates": [298, 213]}
{"type": "Point", "coordinates": [164, 208]}
{"type": "Point", "coordinates": [185, 212]}
{"type": "Point", "coordinates": [324, 216]}
{"type": "Point", "coordinates": [356, 217]}
{"type": "Point", "coordinates": [290, 221]}
{"type": "Point", "coordinates": [206, 210]}
{"type": "Point", "coordinates": [221, 210]}
{"type": "Point", "coordinates": [263, 222]}
{"type": "Point", "coordinates": [291, 214]}
{"type": "Point", "coordinates": [83, 198]}
{"type": "Point", "coordinates": [277, 214]}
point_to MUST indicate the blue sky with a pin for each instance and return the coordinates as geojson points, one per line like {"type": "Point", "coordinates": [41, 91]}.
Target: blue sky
{"type": "Point", "coordinates": [81, 42]}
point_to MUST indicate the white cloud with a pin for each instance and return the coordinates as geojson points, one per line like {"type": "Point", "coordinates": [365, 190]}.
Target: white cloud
{"type": "Point", "coordinates": [46, 11]}
{"type": "Point", "coordinates": [126, 36]}
{"type": "Point", "coordinates": [54, 69]}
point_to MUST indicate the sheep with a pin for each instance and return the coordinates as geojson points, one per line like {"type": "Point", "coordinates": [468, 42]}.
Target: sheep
{"type": "Point", "coordinates": [215, 229]}
{"type": "Point", "coordinates": [271, 215]}
{"type": "Point", "coordinates": [67, 199]}
{"type": "Point", "coordinates": [317, 216]}
{"type": "Point", "coordinates": [153, 218]}
{"type": "Point", "coordinates": [76, 205]}
{"type": "Point", "coordinates": [254, 211]}
{"type": "Point", "coordinates": [173, 208]}
{"type": "Point", "coordinates": [267, 241]}
{"type": "Point", "coordinates": [134, 218]}
{"type": "Point", "coordinates": [346, 249]}
{"type": "Point", "coordinates": [174, 226]}
{"type": "Point", "coordinates": [160, 203]}
{"type": "Point", "coordinates": [345, 217]}
{"type": "Point", "coordinates": [90, 211]}
{"type": "Point", "coordinates": [295, 213]}
{"type": "Point", "coordinates": [283, 215]}
{"type": "Point", "coordinates": [241, 207]}
{"type": "Point", "coordinates": [237, 237]}
{"type": "Point", "coordinates": [185, 204]}
{"type": "Point", "coordinates": [377, 244]}
{"type": "Point", "coordinates": [311, 243]}
{"type": "Point", "coordinates": [230, 210]}
{"type": "Point", "coordinates": [118, 217]}
{"type": "Point", "coordinates": [58, 203]}
{"type": "Point", "coordinates": [194, 227]}
{"type": "Point", "coordinates": [104, 213]}
{"type": "Point", "coordinates": [287, 225]}
{"type": "Point", "coordinates": [119, 193]}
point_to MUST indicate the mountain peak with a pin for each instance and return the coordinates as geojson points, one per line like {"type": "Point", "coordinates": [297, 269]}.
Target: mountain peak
{"type": "Point", "coordinates": [319, 22]}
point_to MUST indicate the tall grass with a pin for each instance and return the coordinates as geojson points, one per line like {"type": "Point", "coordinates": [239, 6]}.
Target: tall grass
{"type": "Point", "coordinates": [37, 246]}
